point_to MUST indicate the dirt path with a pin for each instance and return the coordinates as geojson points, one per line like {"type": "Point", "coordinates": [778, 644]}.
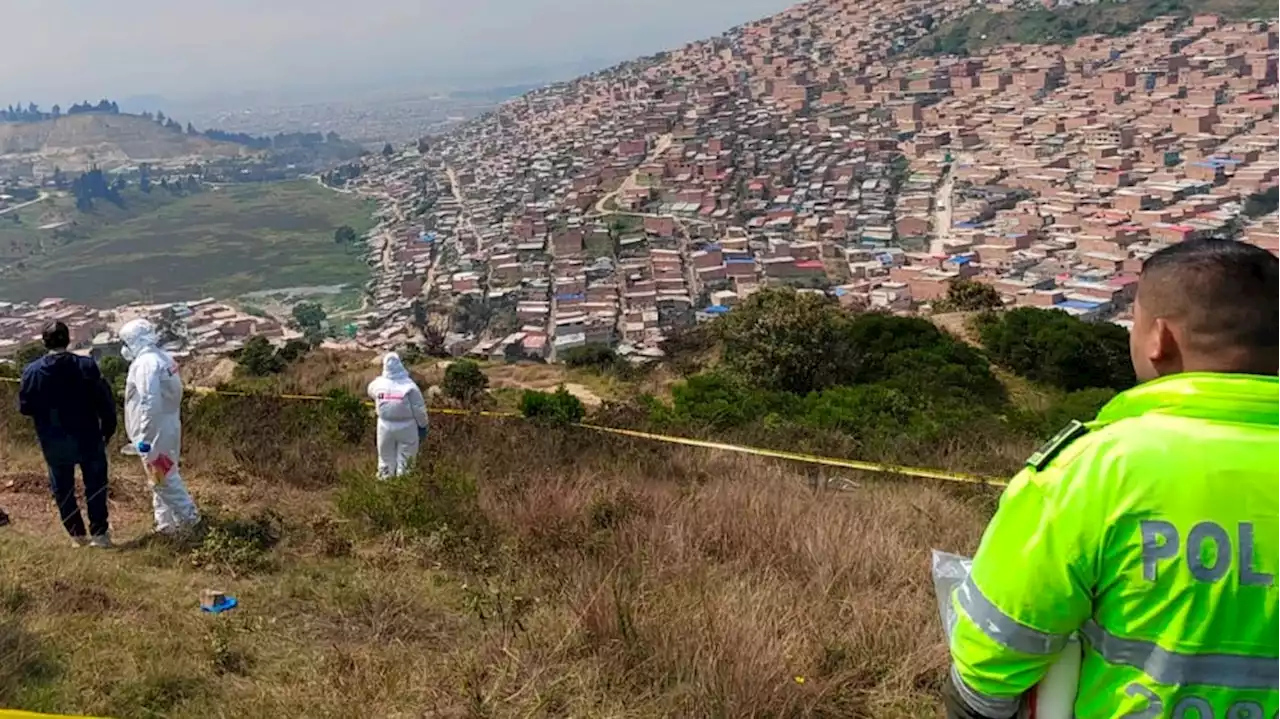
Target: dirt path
{"type": "Point", "coordinates": [659, 147]}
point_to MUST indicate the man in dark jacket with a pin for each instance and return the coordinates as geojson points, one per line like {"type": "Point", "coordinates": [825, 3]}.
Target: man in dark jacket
{"type": "Point", "coordinates": [75, 415]}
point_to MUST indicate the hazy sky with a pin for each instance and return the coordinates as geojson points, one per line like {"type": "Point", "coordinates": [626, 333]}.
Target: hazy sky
{"type": "Point", "coordinates": [63, 50]}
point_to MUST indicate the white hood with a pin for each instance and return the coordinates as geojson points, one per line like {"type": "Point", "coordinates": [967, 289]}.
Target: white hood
{"type": "Point", "coordinates": [138, 335]}
{"type": "Point", "coordinates": [393, 368]}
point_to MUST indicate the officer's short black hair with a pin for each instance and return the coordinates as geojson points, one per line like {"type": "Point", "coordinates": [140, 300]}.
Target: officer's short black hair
{"type": "Point", "coordinates": [1223, 292]}
{"type": "Point", "coordinates": [56, 336]}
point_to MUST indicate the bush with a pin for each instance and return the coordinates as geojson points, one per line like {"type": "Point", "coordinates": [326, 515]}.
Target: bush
{"type": "Point", "coordinates": [115, 371]}
{"type": "Point", "coordinates": [258, 358]}
{"type": "Point", "coordinates": [717, 401]}
{"type": "Point", "coordinates": [436, 501]}
{"type": "Point", "coordinates": [293, 350]}
{"type": "Point", "coordinates": [781, 341]}
{"type": "Point", "coordinates": [238, 546]}
{"type": "Point", "coordinates": [27, 354]}
{"type": "Point", "coordinates": [559, 407]}
{"type": "Point", "coordinates": [1053, 347]}
{"type": "Point", "coordinates": [785, 341]}
{"type": "Point", "coordinates": [1081, 406]}
{"type": "Point", "coordinates": [464, 381]}
{"type": "Point", "coordinates": [597, 357]}
{"type": "Point", "coordinates": [348, 415]}
{"type": "Point", "coordinates": [969, 296]}
{"type": "Point", "coordinates": [410, 354]}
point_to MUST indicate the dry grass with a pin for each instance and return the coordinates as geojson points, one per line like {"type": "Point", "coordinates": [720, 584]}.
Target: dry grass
{"type": "Point", "coordinates": [618, 579]}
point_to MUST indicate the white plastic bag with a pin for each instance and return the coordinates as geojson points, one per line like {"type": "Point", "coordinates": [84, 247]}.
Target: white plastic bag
{"type": "Point", "coordinates": [1055, 696]}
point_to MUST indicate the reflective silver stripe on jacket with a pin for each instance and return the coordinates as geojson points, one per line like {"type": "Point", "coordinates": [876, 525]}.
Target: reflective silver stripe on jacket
{"type": "Point", "coordinates": [984, 704]}
{"type": "Point", "coordinates": [1234, 671]}
{"type": "Point", "coordinates": [1002, 628]}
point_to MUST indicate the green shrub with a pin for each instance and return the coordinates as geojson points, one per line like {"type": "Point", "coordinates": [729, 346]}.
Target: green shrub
{"type": "Point", "coordinates": [597, 357]}
{"type": "Point", "coordinates": [1081, 406]}
{"type": "Point", "coordinates": [464, 381]}
{"type": "Point", "coordinates": [258, 358]}
{"type": "Point", "coordinates": [559, 407]}
{"type": "Point", "coordinates": [718, 401]}
{"type": "Point", "coordinates": [435, 501]}
{"type": "Point", "coordinates": [115, 371]}
{"type": "Point", "coordinates": [1053, 347]}
{"type": "Point", "coordinates": [27, 354]}
{"type": "Point", "coordinates": [293, 350]}
{"type": "Point", "coordinates": [785, 341]}
{"type": "Point", "coordinates": [238, 546]}
{"type": "Point", "coordinates": [781, 341]}
{"type": "Point", "coordinates": [348, 415]}
{"type": "Point", "coordinates": [969, 296]}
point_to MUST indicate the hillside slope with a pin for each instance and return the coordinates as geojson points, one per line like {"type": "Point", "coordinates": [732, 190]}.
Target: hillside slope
{"type": "Point", "coordinates": [527, 572]}
{"type": "Point", "coordinates": [76, 142]}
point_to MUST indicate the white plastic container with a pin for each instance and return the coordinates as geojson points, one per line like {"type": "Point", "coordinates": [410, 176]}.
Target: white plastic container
{"type": "Point", "coordinates": [1055, 696]}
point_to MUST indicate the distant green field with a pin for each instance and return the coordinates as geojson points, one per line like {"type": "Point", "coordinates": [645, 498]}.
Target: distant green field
{"type": "Point", "coordinates": [221, 242]}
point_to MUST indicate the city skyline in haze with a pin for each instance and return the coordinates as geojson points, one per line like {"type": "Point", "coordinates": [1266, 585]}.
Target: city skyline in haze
{"type": "Point", "coordinates": [72, 50]}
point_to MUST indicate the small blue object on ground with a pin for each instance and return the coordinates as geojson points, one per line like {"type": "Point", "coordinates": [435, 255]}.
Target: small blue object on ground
{"type": "Point", "coordinates": [224, 603]}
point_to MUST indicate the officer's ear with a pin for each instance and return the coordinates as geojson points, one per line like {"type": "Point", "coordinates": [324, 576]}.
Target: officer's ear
{"type": "Point", "coordinates": [1164, 346]}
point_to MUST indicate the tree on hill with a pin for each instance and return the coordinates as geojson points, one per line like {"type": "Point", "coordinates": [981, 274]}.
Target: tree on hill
{"type": "Point", "coordinates": [345, 235]}
{"type": "Point", "coordinates": [969, 296]}
{"type": "Point", "coordinates": [309, 315]}
{"type": "Point", "coordinates": [388, 150]}
{"type": "Point", "coordinates": [1053, 347]}
{"type": "Point", "coordinates": [1262, 203]}
{"type": "Point", "coordinates": [786, 341]}
{"type": "Point", "coordinates": [93, 185]}
{"type": "Point", "coordinates": [418, 312]}
{"type": "Point", "coordinates": [28, 353]}
{"type": "Point", "coordinates": [464, 381]}
{"type": "Point", "coordinates": [114, 370]}
{"type": "Point", "coordinates": [259, 359]}
{"type": "Point", "coordinates": [779, 340]}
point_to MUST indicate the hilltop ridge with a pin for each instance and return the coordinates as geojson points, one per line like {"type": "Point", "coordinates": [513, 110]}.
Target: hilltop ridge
{"type": "Point", "coordinates": [75, 143]}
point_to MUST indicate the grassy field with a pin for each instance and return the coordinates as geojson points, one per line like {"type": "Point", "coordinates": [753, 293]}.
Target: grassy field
{"type": "Point", "coordinates": [525, 572]}
{"type": "Point", "coordinates": [221, 242]}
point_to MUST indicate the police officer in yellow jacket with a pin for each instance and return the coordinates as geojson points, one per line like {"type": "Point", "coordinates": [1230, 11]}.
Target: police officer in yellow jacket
{"type": "Point", "coordinates": [1150, 532]}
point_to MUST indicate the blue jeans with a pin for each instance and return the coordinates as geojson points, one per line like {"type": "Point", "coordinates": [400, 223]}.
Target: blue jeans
{"type": "Point", "coordinates": [62, 482]}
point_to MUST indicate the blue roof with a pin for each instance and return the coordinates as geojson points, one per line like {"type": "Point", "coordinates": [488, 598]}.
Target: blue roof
{"type": "Point", "coordinates": [571, 297]}
{"type": "Point", "coordinates": [716, 310]}
{"type": "Point", "coordinates": [960, 259]}
{"type": "Point", "coordinates": [965, 225]}
{"type": "Point", "coordinates": [841, 292]}
{"type": "Point", "coordinates": [1079, 305]}
{"type": "Point", "coordinates": [711, 247]}
{"type": "Point", "coordinates": [738, 260]}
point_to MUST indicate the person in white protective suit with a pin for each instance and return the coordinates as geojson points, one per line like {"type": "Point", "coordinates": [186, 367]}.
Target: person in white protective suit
{"type": "Point", "coordinates": [152, 417]}
{"type": "Point", "coordinates": [402, 417]}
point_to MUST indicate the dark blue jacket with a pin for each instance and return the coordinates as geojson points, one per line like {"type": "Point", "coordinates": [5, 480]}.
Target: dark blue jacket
{"type": "Point", "coordinates": [72, 405]}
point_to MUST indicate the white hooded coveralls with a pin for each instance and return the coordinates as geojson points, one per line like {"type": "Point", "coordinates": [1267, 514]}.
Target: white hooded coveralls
{"type": "Point", "coordinates": [401, 412]}
{"type": "Point", "coordinates": [152, 409]}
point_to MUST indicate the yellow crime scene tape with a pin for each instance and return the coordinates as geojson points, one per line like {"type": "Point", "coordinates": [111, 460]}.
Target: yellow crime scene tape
{"type": "Point", "coordinates": [804, 458]}
{"type": "Point", "coordinates": [10, 714]}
